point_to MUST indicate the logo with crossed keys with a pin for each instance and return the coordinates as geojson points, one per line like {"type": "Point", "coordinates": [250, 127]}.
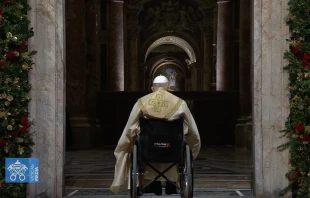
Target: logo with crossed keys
{"type": "Point", "coordinates": [17, 169]}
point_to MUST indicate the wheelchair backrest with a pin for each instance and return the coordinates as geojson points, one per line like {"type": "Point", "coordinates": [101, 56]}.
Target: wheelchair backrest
{"type": "Point", "coordinates": [161, 140]}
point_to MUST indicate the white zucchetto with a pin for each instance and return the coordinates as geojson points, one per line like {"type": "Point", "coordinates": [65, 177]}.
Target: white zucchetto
{"type": "Point", "coordinates": [160, 79]}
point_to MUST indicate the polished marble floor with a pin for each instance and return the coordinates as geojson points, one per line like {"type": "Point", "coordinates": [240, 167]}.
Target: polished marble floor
{"type": "Point", "coordinates": [218, 171]}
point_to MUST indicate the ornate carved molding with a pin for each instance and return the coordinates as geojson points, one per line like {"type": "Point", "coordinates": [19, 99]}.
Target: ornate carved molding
{"type": "Point", "coordinates": [171, 16]}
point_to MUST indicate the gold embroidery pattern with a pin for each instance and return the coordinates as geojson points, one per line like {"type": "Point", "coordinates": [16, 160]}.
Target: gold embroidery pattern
{"type": "Point", "coordinates": [142, 107]}
{"type": "Point", "coordinates": [175, 108]}
{"type": "Point", "coordinates": [158, 102]}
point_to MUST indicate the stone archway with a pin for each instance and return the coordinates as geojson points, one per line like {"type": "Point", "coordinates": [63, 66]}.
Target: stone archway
{"type": "Point", "coordinates": [189, 62]}
{"type": "Point", "coordinates": [47, 106]}
{"type": "Point", "coordinates": [173, 69]}
{"type": "Point", "coordinates": [174, 40]}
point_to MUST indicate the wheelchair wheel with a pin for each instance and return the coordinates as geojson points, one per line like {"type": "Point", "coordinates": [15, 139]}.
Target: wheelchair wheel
{"type": "Point", "coordinates": [187, 176]}
{"type": "Point", "coordinates": [134, 173]}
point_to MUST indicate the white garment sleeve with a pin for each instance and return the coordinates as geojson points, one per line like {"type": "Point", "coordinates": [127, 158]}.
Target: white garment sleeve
{"type": "Point", "coordinates": [122, 152]}
{"type": "Point", "coordinates": [192, 136]}
{"type": "Point", "coordinates": [129, 132]}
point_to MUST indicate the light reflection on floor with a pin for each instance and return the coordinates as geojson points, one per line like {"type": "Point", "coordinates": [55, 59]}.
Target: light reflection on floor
{"type": "Point", "coordinates": [217, 171]}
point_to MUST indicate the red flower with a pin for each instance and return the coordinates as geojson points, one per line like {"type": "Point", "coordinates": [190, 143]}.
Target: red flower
{"type": "Point", "coordinates": [3, 143]}
{"type": "Point", "coordinates": [294, 176]}
{"type": "Point", "coordinates": [5, 2]}
{"type": "Point", "coordinates": [306, 138]}
{"type": "Point", "coordinates": [300, 128]}
{"type": "Point", "coordinates": [14, 134]}
{"type": "Point", "coordinates": [24, 121]}
{"type": "Point", "coordinates": [305, 63]}
{"type": "Point", "coordinates": [298, 173]}
{"type": "Point", "coordinates": [23, 129]}
{"type": "Point", "coordinates": [2, 63]}
{"type": "Point", "coordinates": [3, 184]}
{"type": "Point", "coordinates": [11, 55]}
{"type": "Point", "coordinates": [1, 11]}
{"type": "Point", "coordinates": [22, 45]}
{"type": "Point", "coordinates": [296, 50]}
{"type": "Point", "coordinates": [306, 56]}
{"type": "Point", "coordinates": [289, 177]}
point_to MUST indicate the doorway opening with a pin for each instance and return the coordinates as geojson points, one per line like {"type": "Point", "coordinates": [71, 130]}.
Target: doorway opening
{"type": "Point", "coordinates": [184, 52]}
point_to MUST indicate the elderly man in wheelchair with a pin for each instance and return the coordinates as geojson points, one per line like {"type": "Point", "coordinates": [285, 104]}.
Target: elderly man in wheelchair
{"type": "Point", "coordinates": [159, 143]}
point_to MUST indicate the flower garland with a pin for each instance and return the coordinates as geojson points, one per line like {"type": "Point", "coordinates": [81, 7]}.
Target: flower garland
{"type": "Point", "coordinates": [15, 63]}
{"type": "Point", "coordinates": [297, 126]}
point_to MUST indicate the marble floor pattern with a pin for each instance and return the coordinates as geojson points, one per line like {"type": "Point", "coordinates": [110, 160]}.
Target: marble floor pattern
{"type": "Point", "coordinates": [218, 171]}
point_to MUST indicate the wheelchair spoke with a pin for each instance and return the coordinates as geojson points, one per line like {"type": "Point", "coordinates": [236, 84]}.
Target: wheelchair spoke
{"type": "Point", "coordinates": [186, 178]}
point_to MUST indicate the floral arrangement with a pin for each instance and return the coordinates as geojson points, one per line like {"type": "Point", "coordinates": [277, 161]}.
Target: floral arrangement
{"type": "Point", "coordinates": [297, 127]}
{"type": "Point", "coordinates": [15, 62]}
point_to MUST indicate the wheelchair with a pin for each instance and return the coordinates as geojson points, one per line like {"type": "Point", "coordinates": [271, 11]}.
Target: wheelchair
{"type": "Point", "coordinates": [161, 141]}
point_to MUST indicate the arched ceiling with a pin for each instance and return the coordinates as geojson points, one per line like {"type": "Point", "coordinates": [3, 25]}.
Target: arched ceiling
{"type": "Point", "coordinates": [174, 41]}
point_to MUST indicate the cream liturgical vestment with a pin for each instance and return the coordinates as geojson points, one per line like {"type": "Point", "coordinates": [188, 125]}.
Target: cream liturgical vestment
{"type": "Point", "coordinates": [159, 104]}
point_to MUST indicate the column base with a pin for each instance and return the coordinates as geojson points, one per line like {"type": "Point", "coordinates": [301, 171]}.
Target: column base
{"type": "Point", "coordinates": [80, 135]}
{"type": "Point", "coordinates": [241, 133]}
{"type": "Point", "coordinates": [249, 132]}
{"type": "Point", "coordinates": [213, 86]}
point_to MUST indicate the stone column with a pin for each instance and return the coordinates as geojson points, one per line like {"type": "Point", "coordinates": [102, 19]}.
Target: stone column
{"type": "Point", "coordinates": [198, 78]}
{"type": "Point", "coordinates": [242, 133]}
{"type": "Point", "coordinates": [194, 77]}
{"type": "Point", "coordinates": [142, 79]}
{"type": "Point", "coordinates": [249, 128]}
{"type": "Point", "coordinates": [47, 107]}
{"type": "Point", "coordinates": [133, 35]}
{"type": "Point", "coordinates": [207, 59]}
{"type": "Point", "coordinates": [224, 45]}
{"type": "Point", "coordinates": [133, 66]}
{"type": "Point", "coordinates": [214, 48]}
{"type": "Point", "coordinates": [80, 72]}
{"type": "Point", "coordinates": [270, 96]}
{"type": "Point", "coordinates": [92, 79]}
{"type": "Point", "coordinates": [116, 46]}
{"type": "Point", "coordinates": [76, 58]}
{"type": "Point", "coordinates": [92, 76]}
{"type": "Point", "coordinates": [245, 58]}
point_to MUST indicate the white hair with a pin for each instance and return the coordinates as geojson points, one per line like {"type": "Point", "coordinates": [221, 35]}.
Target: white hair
{"type": "Point", "coordinates": [155, 86]}
{"type": "Point", "coordinates": [161, 84]}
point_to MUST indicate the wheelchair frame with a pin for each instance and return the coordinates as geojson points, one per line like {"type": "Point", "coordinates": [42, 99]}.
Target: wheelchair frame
{"type": "Point", "coordinates": [185, 170]}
